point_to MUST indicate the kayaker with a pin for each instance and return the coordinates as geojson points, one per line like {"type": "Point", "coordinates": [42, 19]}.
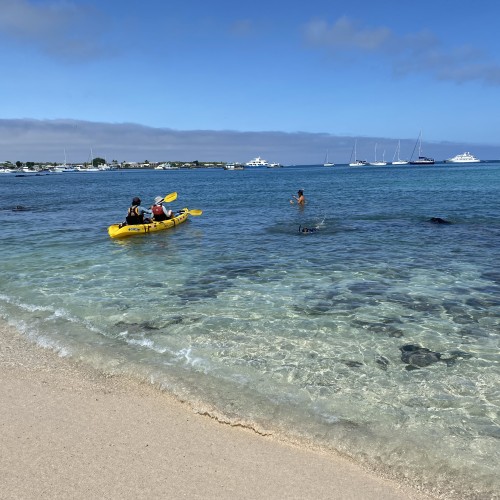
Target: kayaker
{"type": "Point", "coordinates": [160, 211]}
{"type": "Point", "coordinates": [135, 214]}
{"type": "Point", "coordinates": [299, 198]}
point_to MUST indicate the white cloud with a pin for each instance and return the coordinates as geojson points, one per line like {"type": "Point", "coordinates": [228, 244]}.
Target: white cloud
{"type": "Point", "coordinates": [344, 33]}
{"type": "Point", "coordinates": [57, 28]}
{"type": "Point", "coordinates": [413, 53]}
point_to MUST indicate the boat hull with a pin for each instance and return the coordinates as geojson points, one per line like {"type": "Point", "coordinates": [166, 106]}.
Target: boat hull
{"type": "Point", "coordinates": [126, 231]}
{"type": "Point", "coordinates": [422, 160]}
{"type": "Point", "coordinates": [462, 161]}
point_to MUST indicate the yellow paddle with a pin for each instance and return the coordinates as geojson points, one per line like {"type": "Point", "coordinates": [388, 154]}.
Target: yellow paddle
{"type": "Point", "coordinates": [170, 197]}
{"type": "Point", "coordinates": [190, 212]}
{"type": "Point", "coordinates": [195, 212]}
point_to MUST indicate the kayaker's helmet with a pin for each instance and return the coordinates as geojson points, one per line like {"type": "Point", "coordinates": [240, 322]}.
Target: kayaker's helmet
{"type": "Point", "coordinates": [158, 200]}
{"type": "Point", "coordinates": [136, 201]}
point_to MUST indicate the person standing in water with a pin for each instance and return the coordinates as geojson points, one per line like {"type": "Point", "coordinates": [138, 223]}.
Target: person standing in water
{"type": "Point", "coordinates": [300, 199]}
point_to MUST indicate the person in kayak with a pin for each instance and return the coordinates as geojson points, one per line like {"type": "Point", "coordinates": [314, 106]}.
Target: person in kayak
{"type": "Point", "coordinates": [135, 214]}
{"type": "Point", "coordinates": [160, 211]}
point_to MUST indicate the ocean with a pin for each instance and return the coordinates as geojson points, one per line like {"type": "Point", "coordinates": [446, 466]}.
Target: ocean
{"type": "Point", "coordinates": [376, 335]}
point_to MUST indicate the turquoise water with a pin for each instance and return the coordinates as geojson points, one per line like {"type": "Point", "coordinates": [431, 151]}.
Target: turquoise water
{"type": "Point", "coordinates": [257, 324]}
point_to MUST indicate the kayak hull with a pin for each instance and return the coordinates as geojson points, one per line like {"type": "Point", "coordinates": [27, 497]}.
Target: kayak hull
{"type": "Point", "coordinates": [126, 231]}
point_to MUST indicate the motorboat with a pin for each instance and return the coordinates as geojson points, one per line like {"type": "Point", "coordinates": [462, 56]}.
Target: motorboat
{"type": "Point", "coordinates": [463, 158]}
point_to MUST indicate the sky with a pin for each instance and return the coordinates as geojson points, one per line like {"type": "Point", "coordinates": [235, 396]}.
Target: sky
{"type": "Point", "coordinates": [220, 80]}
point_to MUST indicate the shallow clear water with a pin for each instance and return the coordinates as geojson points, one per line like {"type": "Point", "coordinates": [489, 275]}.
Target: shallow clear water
{"type": "Point", "coordinates": [253, 322]}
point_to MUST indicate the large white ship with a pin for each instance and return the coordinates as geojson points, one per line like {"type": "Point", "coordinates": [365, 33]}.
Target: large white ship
{"type": "Point", "coordinates": [257, 162]}
{"type": "Point", "coordinates": [463, 158]}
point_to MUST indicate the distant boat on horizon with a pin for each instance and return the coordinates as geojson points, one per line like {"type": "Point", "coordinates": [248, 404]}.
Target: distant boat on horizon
{"type": "Point", "coordinates": [421, 160]}
{"type": "Point", "coordinates": [327, 162]}
{"type": "Point", "coordinates": [396, 160]}
{"type": "Point", "coordinates": [377, 162]}
{"type": "Point", "coordinates": [463, 158]}
{"type": "Point", "coordinates": [356, 162]}
{"type": "Point", "coordinates": [257, 162]}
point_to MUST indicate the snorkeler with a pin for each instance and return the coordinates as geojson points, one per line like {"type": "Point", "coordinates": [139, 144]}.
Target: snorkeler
{"type": "Point", "coordinates": [307, 229]}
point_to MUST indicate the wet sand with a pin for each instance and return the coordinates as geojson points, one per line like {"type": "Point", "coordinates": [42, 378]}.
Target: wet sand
{"type": "Point", "coordinates": [67, 431]}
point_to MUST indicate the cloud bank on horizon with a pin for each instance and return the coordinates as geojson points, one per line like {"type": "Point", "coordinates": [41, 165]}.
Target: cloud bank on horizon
{"type": "Point", "coordinates": [56, 141]}
{"type": "Point", "coordinates": [327, 73]}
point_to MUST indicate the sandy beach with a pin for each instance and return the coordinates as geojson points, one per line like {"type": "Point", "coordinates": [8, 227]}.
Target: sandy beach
{"type": "Point", "coordinates": [68, 431]}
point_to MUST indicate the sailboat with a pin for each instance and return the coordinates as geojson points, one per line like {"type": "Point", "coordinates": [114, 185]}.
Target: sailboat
{"type": "Point", "coordinates": [90, 167]}
{"type": "Point", "coordinates": [378, 163]}
{"type": "Point", "coordinates": [421, 160]}
{"type": "Point", "coordinates": [327, 162]}
{"type": "Point", "coordinates": [396, 160]}
{"type": "Point", "coordinates": [65, 167]}
{"type": "Point", "coordinates": [356, 162]}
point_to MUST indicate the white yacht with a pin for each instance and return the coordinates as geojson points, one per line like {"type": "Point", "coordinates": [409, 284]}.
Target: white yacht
{"type": "Point", "coordinates": [274, 165]}
{"type": "Point", "coordinates": [257, 162]}
{"type": "Point", "coordinates": [463, 158]}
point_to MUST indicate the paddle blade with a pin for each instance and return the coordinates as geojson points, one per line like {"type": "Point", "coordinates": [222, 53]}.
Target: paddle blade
{"type": "Point", "coordinates": [170, 197]}
{"type": "Point", "coordinates": [195, 212]}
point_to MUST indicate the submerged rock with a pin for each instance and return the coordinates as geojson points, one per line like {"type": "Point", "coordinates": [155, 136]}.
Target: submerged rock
{"type": "Point", "coordinates": [438, 220]}
{"type": "Point", "coordinates": [416, 356]}
{"type": "Point", "coordinates": [383, 362]}
{"type": "Point", "coordinates": [353, 364]}
{"type": "Point", "coordinates": [19, 208]}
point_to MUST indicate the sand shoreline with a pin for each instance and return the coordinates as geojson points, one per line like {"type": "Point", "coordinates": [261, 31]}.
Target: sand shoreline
{"type": "Point", "coordinates": [68, 431]}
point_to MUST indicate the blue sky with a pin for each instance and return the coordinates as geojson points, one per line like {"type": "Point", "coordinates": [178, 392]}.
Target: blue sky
{"type": "Point", "coordinates": [225, 80]}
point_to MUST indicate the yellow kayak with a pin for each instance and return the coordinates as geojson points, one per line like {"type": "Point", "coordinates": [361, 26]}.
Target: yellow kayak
{"type": "Point", "coordinates": [125, 230]}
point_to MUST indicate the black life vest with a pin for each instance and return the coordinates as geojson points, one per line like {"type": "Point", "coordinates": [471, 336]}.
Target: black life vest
{"type": "Point", "coordinates": [133, 216]}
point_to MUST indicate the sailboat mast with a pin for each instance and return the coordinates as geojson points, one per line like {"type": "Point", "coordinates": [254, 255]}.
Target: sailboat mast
{"type": "Point", "coordinates": [414, 147]}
